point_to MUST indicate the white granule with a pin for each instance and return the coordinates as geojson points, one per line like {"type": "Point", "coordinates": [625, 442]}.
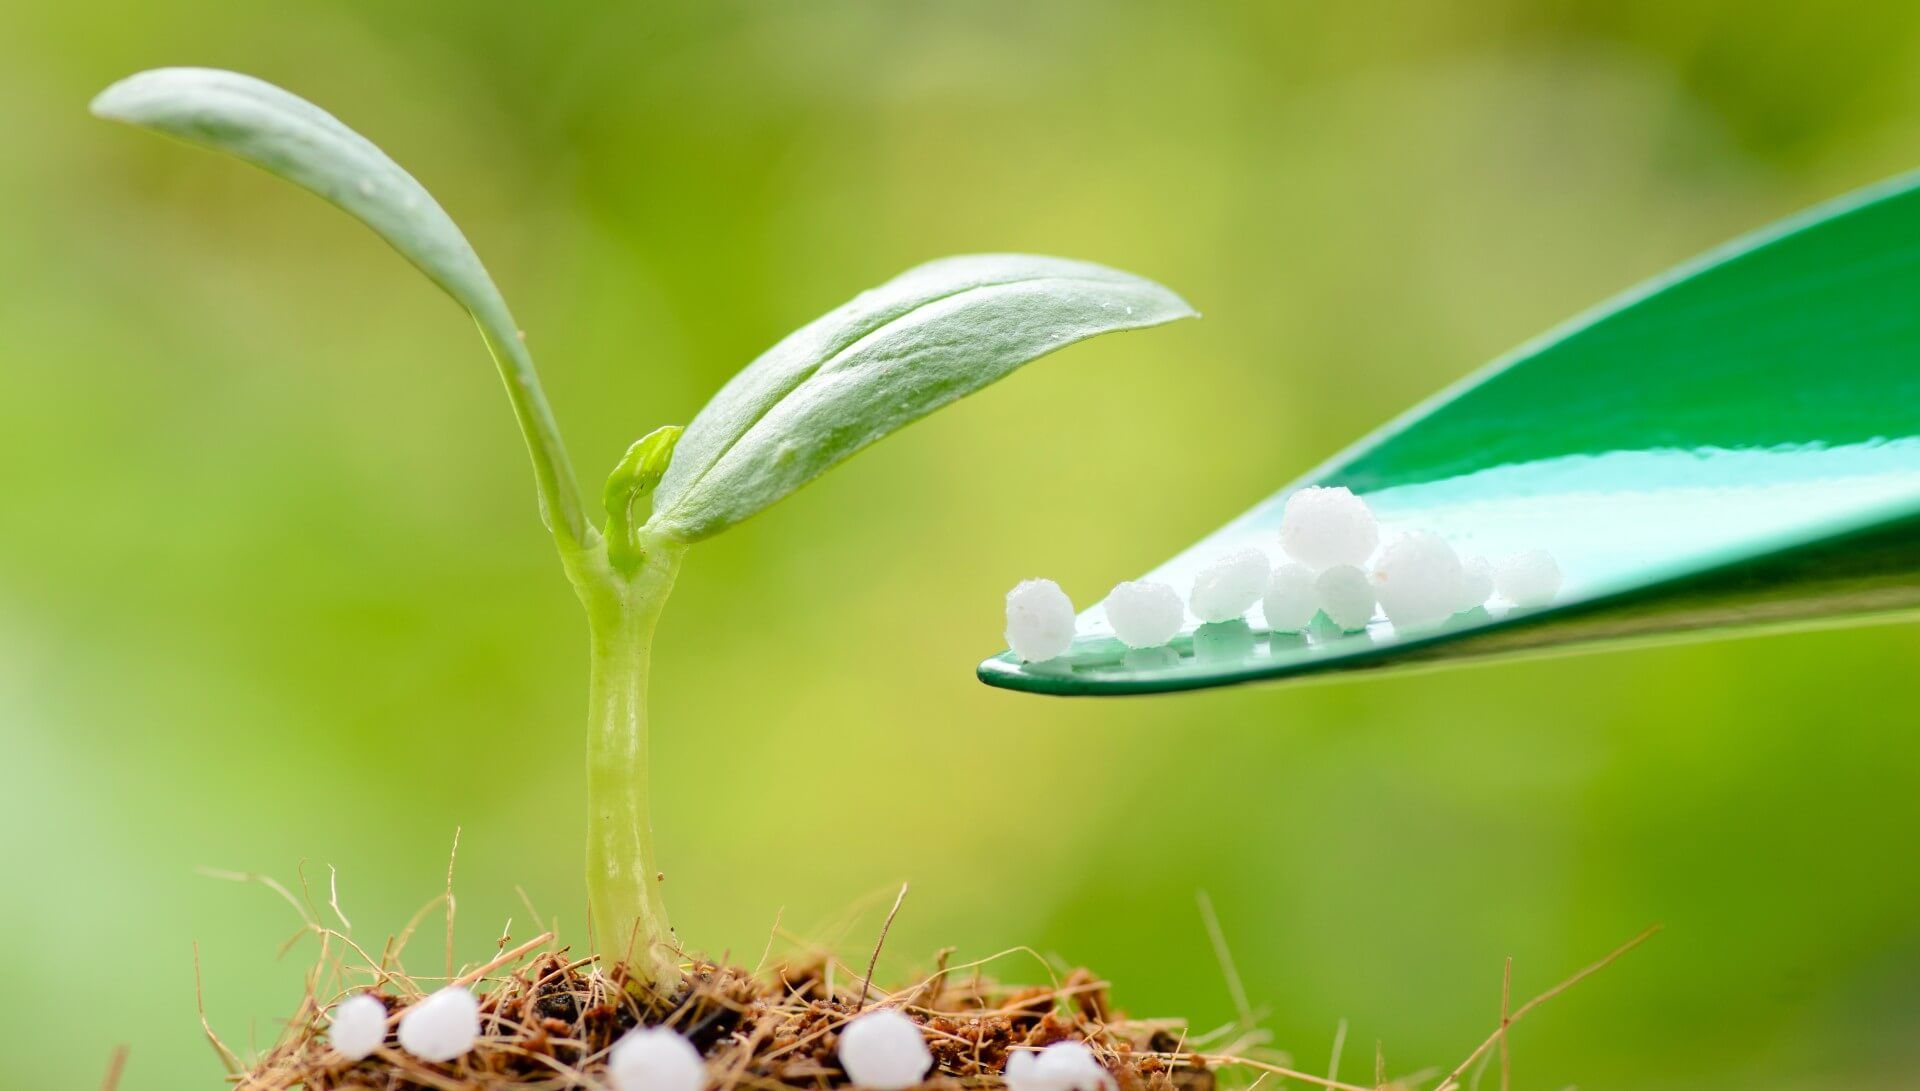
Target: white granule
{"type": "Point", "coordinates": [1345, 595]}
{"type": "Point", "coordinates": [883, 1051]}
{"type": "Point", "coordinates": [443, 1026]}
{"type": "Point", "coordinates": [1063, 1066]}
{"type": "Point", "coordinates": [1528, 579]}
{"type": "Point", "coordinates": [1289, 602]}
{"type": "Point", "coordinates": [656, 1059]}
{"type": "Point", "coordinates": [1039, 620]}
{"type": "Point", "coordinates": [1230, 585]}
{"type": "Point", "coordinates": [1324, 527]}
{"type": "Point", "coordinates": [359, 1026]}
{"type": "Point", "coordinates": [1417, 579]}
{"type": "Point", "coordinates": [1144, 614]}
{"type": "Point", "coordinates": [1476, 582]}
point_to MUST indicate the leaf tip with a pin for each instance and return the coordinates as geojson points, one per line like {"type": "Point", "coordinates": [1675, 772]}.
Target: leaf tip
{"type": "Point", "coordinates": [144, 96]}
{"type": "Point", "coordinates": [116, 101]}
{"type": "Point", "coordinates": [1178, 307]}
{"type": "Point", "coordinates": [130, 99]}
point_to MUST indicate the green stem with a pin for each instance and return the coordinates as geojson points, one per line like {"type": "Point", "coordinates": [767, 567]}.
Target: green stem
{"type": "Point", "coordinates": [552, 471]}
{"type": "Point", "coordinates": [623, 876]}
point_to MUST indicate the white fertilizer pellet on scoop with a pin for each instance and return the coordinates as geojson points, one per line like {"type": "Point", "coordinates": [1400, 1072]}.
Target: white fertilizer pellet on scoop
{"type": "Point", "coordinates": [1345, 595]}
{"type": "Point", "coordinates": [1063, 1066]}
{"type": "Point", "coordinates": [1528, 579]}
{"type": "Point", "coordinates": [1289, 603]}
{"type": "Point", "coordinates": [1476, 582]}
{"type": "Point", "coordinates": [1417, 579]}
{"type": "Point", "coordinates": [359, 1026]}
{"type": "Point", "coordinates": [1039, 620]}
{"type": "Point", "coordinates": [1144, 614]}
{"type": "Point", "coordinates": [1323, 527]}
{"type": "Point", "coordinates": [443, 1026]}
{"type": "Point", "coordinates": [1230, 585]}
{"type": "Point", "coordinates": [883, 1051]}
{"type": "Point", "coordinates": [656, 1059]}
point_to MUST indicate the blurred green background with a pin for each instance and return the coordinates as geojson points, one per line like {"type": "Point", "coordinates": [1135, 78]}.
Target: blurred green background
{"type": "Point", "coordinates": [272, 591]}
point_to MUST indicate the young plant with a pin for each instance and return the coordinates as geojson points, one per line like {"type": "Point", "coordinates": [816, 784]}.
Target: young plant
{"type": "Point", "coordinates": [875, 364]}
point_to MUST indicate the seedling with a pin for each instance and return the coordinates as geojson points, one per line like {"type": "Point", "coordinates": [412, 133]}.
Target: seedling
{"type": "Point", "coordinates": [875, 364]}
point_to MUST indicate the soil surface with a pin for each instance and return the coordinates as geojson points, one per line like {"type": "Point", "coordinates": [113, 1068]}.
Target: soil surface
{"type": "Point", "coordinates": [549, 1022]}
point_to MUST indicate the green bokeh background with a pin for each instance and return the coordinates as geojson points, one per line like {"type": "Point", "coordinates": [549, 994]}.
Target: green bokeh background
{"type": "Point", "coordinates": [271, 588]}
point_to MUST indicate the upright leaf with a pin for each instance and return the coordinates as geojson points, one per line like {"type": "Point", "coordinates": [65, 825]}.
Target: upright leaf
{"type": "Point", "coordinates": [890, 356]}
{"type": "Point", "coordinates": [286, 135]}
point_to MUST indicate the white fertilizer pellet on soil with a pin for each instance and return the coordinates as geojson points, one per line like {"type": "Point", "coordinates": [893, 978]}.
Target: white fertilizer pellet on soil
{"type": "Point", "coordinates": [1063, 1066]}
{"type": "Point", "coordinates": [1528, 579]}
{"type": "Point", "coordinates": [883, 1051]}
{"type": "Point", "coordinates": [1039, 620]}
{"type": "Point", "coordinates": [1417, 579]}
{"type": "Point", "coordinates": [1321, 528]}
{"type": "Point", "coordinates": [1144, 614]}
{"type": "Point", "coordinates": [1345, 595]}
{"type": "Point", "coordinates": [656, 1059]}
{"type": "Point", "coordinates": [443, 1026]}
{"type": "Point", "coordinates": [359, 1026]}
{"type": "Point", "coordinates": [1476, 582]}
{"type": "Point", "coordinates": [1289, 603]}
{"type": "Point", "coordinates": [1230, 586]}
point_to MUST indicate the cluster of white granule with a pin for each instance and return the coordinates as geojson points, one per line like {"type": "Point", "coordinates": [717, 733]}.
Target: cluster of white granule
{"type": "Point", "coordinates": [442, 1027]}
{"type": "Point", "coordinates": [1417, 579]}
{"type": "Point", "coordinates": [1062, 1066]}
{"type": "Point", "coordinates": [1335, 567]}
{"type": "Point", "coordinates": [882, 1050]}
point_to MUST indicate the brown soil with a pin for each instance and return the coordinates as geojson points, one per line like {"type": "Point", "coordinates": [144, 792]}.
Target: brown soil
{"type": "Point", "coordinates": [549, 1022]}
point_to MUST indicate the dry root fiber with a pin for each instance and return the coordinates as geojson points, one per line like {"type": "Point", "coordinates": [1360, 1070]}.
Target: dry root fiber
{"type": "Point", "coordinates": [549, 1021]}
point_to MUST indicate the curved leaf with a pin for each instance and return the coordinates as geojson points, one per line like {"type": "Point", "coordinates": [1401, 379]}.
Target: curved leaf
{"type": "Point", "coordinates": [286, 135]}
{"type": "Point", "coordinates": [892, 355]}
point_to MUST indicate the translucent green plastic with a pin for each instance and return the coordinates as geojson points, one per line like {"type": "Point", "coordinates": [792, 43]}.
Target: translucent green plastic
{"type": "Point", "coordinates": [1734, 444]}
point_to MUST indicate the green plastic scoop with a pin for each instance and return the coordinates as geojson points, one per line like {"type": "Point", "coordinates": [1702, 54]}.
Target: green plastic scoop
{"type": "Point", "coordinates": [1735, 444]}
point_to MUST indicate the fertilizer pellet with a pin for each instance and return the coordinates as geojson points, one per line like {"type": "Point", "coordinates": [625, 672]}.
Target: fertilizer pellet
{"type": "Point", "coordinates": [1417, 579]}
{"type": "Point", "coordinates": [1323, 527]}
{"type": "Point", "coordinates": [1230, 585]}
{"type": "Point", "coordinates": [1345, 595]}
{"type": "Point", "coordinates": [1528, 579]}
{"type": "Point", "coordinates": [1039, 620]}
{"type": "Point", "coordinates": [1063, 1066]}
{"type": "Point", "coordinates": [1476, 582]}
{"type": "Point", "coordinates": [1144, 614]}
{"type": "Point", "coordinates": [883, 1051]}
{"type": "Point", "coordinates": [443, 1026]}
{"type": "Point", "coordinates": [656, 1059]}
{"type": "Point", "coordinates": [1289, 602]}
{"type": "Point", "coordinates": [359, 1026]}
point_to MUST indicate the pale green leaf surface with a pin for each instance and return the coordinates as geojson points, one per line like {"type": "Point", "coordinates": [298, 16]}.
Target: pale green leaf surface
{"type": "Point", "coordinates": [890, 356]}
{"type": "Point", "coordinates": [286, 135]}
